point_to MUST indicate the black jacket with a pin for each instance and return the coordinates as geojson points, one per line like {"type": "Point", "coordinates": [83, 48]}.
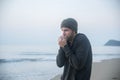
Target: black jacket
{"type": "Point", "coordinates": [76, 59]}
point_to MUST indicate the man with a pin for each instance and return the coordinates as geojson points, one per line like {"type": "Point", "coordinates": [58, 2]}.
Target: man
{"type": "Point", "coordinates": [75, 52]}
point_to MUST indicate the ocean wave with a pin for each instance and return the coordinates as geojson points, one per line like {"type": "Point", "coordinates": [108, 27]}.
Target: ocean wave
{"type": "Point", "coordinates": [28, 57]}
{"type": "Point", "coordinates": [24, 60]}
{"type": "Point", "coordinates": [36, 53]}
{"type": "Point", "coordinates": [40, 56]}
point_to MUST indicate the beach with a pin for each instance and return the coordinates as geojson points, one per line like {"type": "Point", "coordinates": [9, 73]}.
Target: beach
{"type": "Point", "coordinates": [104, 70]}
{"type": "Point", "coordinates": [31, 63]}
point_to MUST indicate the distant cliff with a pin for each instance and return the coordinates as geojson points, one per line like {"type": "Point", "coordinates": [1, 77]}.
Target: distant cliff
{"type": "Point", "coordinates": [112, 43]}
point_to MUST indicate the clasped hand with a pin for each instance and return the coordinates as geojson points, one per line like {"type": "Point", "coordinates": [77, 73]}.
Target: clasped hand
{"type": "Point", "coordinates": [62, 41]}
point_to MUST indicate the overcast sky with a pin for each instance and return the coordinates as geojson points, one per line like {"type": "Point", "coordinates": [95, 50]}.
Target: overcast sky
{"type": "Point", "coordinates": [37, 22]}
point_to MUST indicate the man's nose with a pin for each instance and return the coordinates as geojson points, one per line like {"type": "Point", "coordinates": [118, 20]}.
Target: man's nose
{"type": "Point", "coordinates": [63, 33]}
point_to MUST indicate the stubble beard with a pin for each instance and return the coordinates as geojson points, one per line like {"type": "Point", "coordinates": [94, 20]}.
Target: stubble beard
{"type": "Point", "coordinates": [70, 38]}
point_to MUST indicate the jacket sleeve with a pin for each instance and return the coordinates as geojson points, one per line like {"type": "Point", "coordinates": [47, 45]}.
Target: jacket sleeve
{"type": "Point", "coordinates": [77, 59]}
{"type": "Point", "coordinates": [61, 59]}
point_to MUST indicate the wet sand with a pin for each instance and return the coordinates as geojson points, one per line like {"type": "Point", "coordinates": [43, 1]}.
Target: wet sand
{"type": "Point", "coordinates": [104, 70]}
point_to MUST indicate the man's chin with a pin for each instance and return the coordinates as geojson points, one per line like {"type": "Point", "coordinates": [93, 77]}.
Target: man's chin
{"type": "Point", "coordinates": [68, 38]}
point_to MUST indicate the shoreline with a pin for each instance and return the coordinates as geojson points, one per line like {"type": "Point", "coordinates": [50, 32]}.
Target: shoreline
{"type": "Point", "coordinates": [104, 70]}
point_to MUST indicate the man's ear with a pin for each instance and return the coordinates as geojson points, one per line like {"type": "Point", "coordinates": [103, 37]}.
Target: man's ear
{"type": "Point", "coordinates": [73, 32]}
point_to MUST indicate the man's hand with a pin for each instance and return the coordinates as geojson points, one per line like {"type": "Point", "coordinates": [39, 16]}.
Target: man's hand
{"type": "Point", "coordinates": [62, 41]}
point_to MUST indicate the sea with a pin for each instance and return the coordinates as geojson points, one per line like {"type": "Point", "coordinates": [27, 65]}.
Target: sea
{"type": "Point", "coordinates": [39, 62]}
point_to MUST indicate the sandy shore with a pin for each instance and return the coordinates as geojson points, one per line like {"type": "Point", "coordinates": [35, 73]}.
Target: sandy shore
{"type": "Point", "coordinates": [104, 70]}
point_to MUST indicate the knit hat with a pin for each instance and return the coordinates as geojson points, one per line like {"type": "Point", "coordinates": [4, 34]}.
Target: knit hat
{"type": "Point", "coordinates": [70, 23]}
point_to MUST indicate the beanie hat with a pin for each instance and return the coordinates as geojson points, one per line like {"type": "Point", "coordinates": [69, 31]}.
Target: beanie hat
{"type": "Point", "coordinates": [70, 23]}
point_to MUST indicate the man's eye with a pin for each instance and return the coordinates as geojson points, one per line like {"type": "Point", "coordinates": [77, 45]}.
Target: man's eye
{"type": "Point", "coordinates": [66, 30]}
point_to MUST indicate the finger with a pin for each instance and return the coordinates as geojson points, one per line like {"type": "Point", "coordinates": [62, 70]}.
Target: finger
{"type": "Point", "coordinates": [59, 40]}
{"type": "Point", "coordinates": [62, 37]}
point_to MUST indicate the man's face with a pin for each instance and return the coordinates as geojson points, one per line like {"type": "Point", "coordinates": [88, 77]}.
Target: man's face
{"type": "Point", "coordinates": [67, 33]}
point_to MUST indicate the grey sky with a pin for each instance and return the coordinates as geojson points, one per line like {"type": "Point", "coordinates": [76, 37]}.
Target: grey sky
{"type": "Point", "coordinates": [37, 22]}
